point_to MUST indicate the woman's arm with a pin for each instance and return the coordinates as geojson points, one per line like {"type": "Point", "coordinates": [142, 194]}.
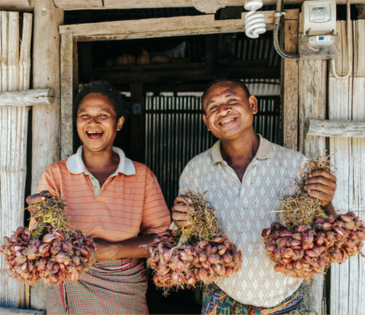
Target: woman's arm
{"type": "Point", "coordinates": [130, 248]}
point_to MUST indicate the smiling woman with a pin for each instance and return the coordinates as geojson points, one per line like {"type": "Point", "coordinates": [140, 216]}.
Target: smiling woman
{"type": "Point", "coordinates": [110, 198]}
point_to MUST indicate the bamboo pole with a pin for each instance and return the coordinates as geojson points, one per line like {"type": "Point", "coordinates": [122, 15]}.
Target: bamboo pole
{"type": "Point", "coordinates": [13, 137]}
{"type": "Point", "coordinates": [46, 118]}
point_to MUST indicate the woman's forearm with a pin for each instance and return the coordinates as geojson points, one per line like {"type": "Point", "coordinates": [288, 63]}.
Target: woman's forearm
{"type": "Point", "coordinates": [130, 248]}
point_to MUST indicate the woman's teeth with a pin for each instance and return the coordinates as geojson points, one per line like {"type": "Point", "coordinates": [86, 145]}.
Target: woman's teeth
{"type": "Point", "coordinates": [94, 134]}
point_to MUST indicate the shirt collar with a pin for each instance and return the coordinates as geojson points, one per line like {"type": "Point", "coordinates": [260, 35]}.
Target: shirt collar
{"type": "Point", "coordinates": [76, 166]}
{"type": "Point", "coordinates": [264, 151]}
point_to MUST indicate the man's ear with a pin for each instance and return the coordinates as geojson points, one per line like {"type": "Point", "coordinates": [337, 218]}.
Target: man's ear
{"type": "Point", "coordinates": [252, 100]}
{"type": "Point", "coordinates": [206, 121]}
{"type": "Point", "coordinates": [120, 123]}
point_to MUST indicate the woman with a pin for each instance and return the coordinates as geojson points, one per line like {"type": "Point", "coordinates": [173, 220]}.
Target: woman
{"type": "Point", "coordinates": [111, 199]}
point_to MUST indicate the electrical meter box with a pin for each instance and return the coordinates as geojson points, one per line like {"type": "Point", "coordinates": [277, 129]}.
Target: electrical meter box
{"type": "Point", "coordinates": [319, 17]}
{"type": "Point", "coordinates": [318, 39]}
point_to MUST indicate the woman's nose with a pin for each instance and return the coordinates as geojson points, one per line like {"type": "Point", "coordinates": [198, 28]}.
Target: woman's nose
{"type": "Point", "coordinates": [93, 120]}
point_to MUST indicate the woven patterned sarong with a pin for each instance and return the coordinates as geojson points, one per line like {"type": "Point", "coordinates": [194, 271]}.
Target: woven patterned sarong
{"type": "Point", "coordinates": [216, 302]}
{"type": "Point", "coordinates": [110, 287]}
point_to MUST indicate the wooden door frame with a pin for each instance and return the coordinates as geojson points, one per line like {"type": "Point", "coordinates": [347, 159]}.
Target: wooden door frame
{"type": "Point", "coordinates": [138, 29]}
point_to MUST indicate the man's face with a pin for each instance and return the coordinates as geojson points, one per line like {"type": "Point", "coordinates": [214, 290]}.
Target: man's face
{"type": "Point", "coordinates": [228, 110]}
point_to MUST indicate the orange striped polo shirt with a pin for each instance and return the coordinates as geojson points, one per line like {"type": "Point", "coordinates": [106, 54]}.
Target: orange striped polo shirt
{"type": "Point", "coordinates": [130, 201]}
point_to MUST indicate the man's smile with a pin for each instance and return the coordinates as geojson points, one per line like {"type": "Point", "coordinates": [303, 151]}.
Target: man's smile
{"type": "Point", "coordinates": [227, 121]}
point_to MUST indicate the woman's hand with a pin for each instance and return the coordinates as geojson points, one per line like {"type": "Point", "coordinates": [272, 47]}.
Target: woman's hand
{"type": "Point", "coordinates": [322, 185]}
{"type": "Point", "coordinates": [105, 250]}
{"type": "Point", "coordinates": [37, 198]}
{"type": "Point", "coordinates": [135, 247]}
{"type": "Point", "coordinates": [180, 209]}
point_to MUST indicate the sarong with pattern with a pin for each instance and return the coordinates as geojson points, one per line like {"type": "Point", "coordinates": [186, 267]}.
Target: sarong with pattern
{"type": "Point", "coordinates": [216, 302]}
{"type": "Point", "coordinates": [109, 287]}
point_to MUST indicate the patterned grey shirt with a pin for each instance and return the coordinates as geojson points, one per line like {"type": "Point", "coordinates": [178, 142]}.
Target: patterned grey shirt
{"type": "Point", "coordinates": [244, 209]}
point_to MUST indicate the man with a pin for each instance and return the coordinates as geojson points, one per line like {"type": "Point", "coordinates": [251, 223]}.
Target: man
{"type": "Point", "coordinates": [243, 175]}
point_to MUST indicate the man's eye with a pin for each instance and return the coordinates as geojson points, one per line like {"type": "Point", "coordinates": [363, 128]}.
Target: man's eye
{"type": "Point", "coordinates": [84, 116]}
{"type": "Point", "coordinates": [103, 116]}
{"type": "Point", "coordinates": [232, 100]}
{"type": "Point", "coordinates": [212, 108]}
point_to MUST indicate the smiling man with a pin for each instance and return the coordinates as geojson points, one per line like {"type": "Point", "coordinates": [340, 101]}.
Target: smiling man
{"type": "Point", "coordinates": [243, 175]}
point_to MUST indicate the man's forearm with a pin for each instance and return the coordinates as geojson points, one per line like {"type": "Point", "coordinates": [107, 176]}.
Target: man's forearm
{"type": "Point", "coordinates": [329, 209]}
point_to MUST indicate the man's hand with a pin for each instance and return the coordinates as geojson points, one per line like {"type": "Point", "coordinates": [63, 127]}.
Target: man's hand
{"type": "Point", "coordinates": [322, 185]}
{"type": "Point", "coordinates": [37, 198]}
{"type": "Point", "coordinates": [180, 209]}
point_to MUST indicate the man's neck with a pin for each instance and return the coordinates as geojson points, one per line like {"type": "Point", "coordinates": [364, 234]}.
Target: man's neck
{"type": "Point", "coordinates": [240, 152]}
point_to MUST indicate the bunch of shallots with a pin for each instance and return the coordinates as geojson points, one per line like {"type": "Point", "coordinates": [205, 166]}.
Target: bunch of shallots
{"type": "Point", "coordinates": [314, 241]}
{"type": "Point", "coordinates": [298, 252]}
{"type": "Point", "coordinates": [199, 251]}
{"type": "Point", "coordinates": [54, 259]}
{"type": "Point", "coordinates": [184, 265]}
{"type": "Point", "coordinates": [51, 251]}
{"type": "Point", "coordinates": [342, 236]}
{"type": "Point", "coordinates": [302, 251]}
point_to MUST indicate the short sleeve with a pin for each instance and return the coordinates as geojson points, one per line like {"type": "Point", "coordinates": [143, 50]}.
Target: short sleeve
{"type": "Point", "coordinates": [48, 182]}
{"type": "Point", "coordinates": [156, 216]}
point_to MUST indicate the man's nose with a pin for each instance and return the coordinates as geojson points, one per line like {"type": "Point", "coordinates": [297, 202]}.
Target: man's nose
{"type": "Point", "coordinates": [224, 109]}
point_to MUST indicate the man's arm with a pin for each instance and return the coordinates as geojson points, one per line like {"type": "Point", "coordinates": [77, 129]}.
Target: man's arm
{"type": "Point", "coordinates": [322, 185]}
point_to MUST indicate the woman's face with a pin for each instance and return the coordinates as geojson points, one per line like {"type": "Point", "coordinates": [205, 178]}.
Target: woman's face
{"type": "Point", "coordinates": [97, 123]}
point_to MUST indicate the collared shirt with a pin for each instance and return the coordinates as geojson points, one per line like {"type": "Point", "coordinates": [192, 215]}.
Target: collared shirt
{"type": "Point", "coordinates": [129, 202]}
{"type": "Point", "coordinates": [76, 165]}
{"type": "Point", "coordinates": [244, 210]}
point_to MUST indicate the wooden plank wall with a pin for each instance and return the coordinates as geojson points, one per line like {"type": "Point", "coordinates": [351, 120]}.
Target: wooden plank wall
{"type": "Point", "coordinates": [347, 102]}
{"type": "Point", "coordinates": [14, 75]}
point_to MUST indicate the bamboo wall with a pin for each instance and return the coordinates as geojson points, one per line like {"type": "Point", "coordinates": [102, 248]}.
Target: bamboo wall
{"type": "Point", "coordinates": [347, 102]}
{"type": "Point", "coordinates": [14, 75]}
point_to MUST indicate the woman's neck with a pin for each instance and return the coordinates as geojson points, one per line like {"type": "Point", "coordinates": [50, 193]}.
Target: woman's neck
{"type": "Point", "coordinates": [100, 164]}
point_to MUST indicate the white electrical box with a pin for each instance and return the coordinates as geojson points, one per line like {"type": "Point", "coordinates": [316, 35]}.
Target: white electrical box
{"type": "Point", "coordinates": [319, 17]}
{"type": "Point", "coordinates": [318, 38]}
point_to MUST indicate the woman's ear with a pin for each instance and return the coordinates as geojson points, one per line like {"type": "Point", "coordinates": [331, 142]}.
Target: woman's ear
{"type": "Point", "coordinates": [252, 100]}
{"type": "Point", "coordinates": [120, 123]}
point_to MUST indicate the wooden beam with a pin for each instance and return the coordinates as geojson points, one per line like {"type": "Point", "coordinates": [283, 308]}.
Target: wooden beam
{"type": "Point", "coordinates": [67, 76]}
{"type": "Point", "coordinates": [45, 118]}
{"type": "Point", "coordinates": [336, 128]}
{"type": "Point", "coordinates": [164, 27]}
{"type": "Point", "coordinates": [16, 5]}
{"type": "Point", "coordinates": [18, 311]}
{"type": "Point", "coordinates": [27, 97]}
{"type": "Point", "coordinates": [145, 4]}
{"type": "Point", "coordinates": [79, 5]}
{"type": "Point", "coordinates": [290, 86]}
{"type": "Point", "coordinates": [312, 104]}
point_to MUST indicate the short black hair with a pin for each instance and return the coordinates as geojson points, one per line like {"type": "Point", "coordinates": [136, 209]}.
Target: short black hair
{"type": "Point", "coordinates": [235, 81]}
{"type": "Point", "coordinates": [103, 87]}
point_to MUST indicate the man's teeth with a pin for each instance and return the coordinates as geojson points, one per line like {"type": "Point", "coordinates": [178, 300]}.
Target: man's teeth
{"type": "Point", "coordinates": [227, 121]}
{"type": "Point", "coordinates": [94, 132]}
